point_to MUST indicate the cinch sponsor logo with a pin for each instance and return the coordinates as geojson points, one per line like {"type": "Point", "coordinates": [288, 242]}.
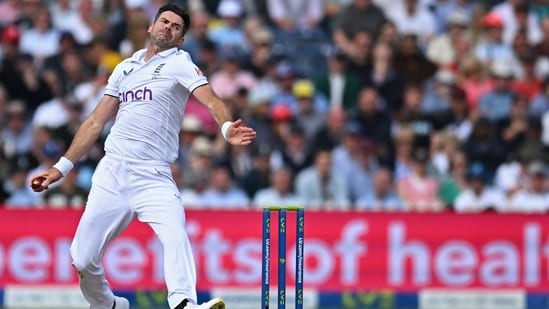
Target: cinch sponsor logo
{"type": "Point", "coordinates": [144, 94]}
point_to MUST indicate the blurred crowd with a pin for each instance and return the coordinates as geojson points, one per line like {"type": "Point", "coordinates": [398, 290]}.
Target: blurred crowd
{"type": "Point", "coordinates": [389, 105]}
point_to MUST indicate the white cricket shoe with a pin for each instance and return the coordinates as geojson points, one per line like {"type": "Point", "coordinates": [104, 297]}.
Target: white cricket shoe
{"type": "Point", "coordinates": [121, 303]}
{"type": "Point", "coordinates": [216, 303]}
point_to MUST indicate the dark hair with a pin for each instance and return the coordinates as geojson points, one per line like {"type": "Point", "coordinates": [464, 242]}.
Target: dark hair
{"type": "Point", "coordinates": [178, 10]}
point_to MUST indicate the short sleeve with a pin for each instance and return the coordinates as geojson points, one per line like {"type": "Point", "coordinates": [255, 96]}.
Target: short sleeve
{"type": "Point", "coordinates": [113, 83]}
{"type": "Point", "coordinates": [188, 73]}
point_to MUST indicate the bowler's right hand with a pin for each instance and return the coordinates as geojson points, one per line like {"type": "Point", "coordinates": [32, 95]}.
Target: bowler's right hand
{"type": "Point", "coordinates": [41, 181]}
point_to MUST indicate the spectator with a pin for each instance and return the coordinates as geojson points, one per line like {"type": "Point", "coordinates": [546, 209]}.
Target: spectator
{"type": "Point", "coordinates": [359, 15]}
{"type": "Point", "coordinates": [221, 193]}
{"type": "Point", "coordinates": [527, 83]}
{"type": "Point", "coordinates": [516, 15]}
{"type": "Point", "coordinates": [496, 104]}
{"type": "Point", "coordinates": [191, 128]}
{"type": "Point", "coordinates": [382, 197]}
{"type": "Point", "coordinates": [331, 133]}
{"type": "Point", "coordinates": [17, 136]}
{"type": "Point", "coordinates": [460, 119]}
{"type": "Point", "coordinates": [319, 188]}
{"type": "Point", "coordinates": [474, 81]}
{"type": "Point", "coordinates": [295, 153]}
{"type": "Point", "coordinates": [231, 77]}
{"type": "Point", "coordinates": [478, 196]}
{"type": "Point", "coordinates": [455, 182]}
{"type": "Point", "coordinates": [260, 174]}
{"type": "Point", "coordinates": [535, 197]}
{"type": "Point", "coordinates": [436, 101]}
{"type": "Point", "coordinates": [10, 11]}
{"type": "Point", "coordinates": [540, 102]}
{"type": "Point", "coordinates": [229, 34]}
{"type": "Point", "coordinates": [413, 18]}
{"type": "Point", "coordinates": [261, 41]}
{"type": "Point", "coordinates": [404, 142]}
{"type": "Point", "coordinates": [411, 62]}
{"type": "Point", "coordinates": [310, 107]}
{"type": "Point", "coordinates": [418, 190]}
{"type": "Point", "coordinates": [375, 122]}
{"type": "Point", "coordinates": [279, 192]}
{"type": "Point", "coordinates": [383, 76]}
{"type": "Point", "coordinates": [42, 40]}
{"type": "Point", "coordinates": [296, 15]}
{"type": "Point", "coordinates": [365, 165]}
{"type": "Point", "coordinates": [492, 46]}
{"type": "Point", "coordinates": [442, 49]}
{"type": "Point", "coordinates": [16, 186]}
{"type": "Point", "coordinates": [411, 115]}
{"type": "Point", "coordinates": [67, 17]}
{"type": "Point", "coordinates": [484, 145]}
{"type": "Point", "coordinates": [339, 84]}
{"type": "Point", "coordinates": [197, 34]}
{"type": "Point", "coordinates": [201, 159]}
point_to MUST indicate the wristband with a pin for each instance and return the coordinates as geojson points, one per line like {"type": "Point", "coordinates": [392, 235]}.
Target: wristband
{"type": "Point", "coordinates": [64, 166]}
{"type": "Point", "coordinates": [225, 129]}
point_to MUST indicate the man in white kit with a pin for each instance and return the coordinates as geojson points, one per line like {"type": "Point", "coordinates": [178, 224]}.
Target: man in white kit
{"type": "Point", "coordinates": [147, 93]}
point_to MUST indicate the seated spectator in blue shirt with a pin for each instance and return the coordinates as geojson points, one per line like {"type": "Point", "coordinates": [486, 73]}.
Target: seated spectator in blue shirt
{"type": "Point", "coordinates": [496, 104]}
{"type": "Point", "coordinates": [229, 33]}
{"type": "Point", "coordinates": [221, 193]}
{"type": "Point", "coordinates": [279, 193]}
{"type": "Point", "coordinates": [382, 196]}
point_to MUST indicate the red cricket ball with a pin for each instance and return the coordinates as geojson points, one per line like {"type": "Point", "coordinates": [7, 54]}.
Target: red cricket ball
{"type": "Point", "coordinates": [37, 182]}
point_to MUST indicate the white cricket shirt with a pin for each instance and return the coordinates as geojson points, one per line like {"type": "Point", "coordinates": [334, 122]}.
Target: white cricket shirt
{"type": "Point", "coordinates": [152, 98]}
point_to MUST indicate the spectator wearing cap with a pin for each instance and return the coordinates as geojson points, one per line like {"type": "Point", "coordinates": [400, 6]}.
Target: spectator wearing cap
{"type": "Point", "coordinates": [492, 47]}
{"type": "Point", "coordinates": [42, 40]}
{"type": "Point", "coordinates": [496, 104]}
{"type": "Point", "coordinates": [382, 196]}
{"type": "Point", "coordinates": [279, 192]}
{"type": "Point", "coordinates": [296, 15]}
{"type": "Point", "coordinates": [516, 15]}
{"type": "Point", "coordinates": [319, 188]}
{"type": "Point", "coordinates": [17, 135]}
{"type": "Point", "coordinates": [338, 83]}
{"type": "Point", "coordinates": [478, 196]}
{"type": "Point", "coordinates": [229, 33]}
{"type": "Point", "coordinates": [533, 198]}
{"type": "Point", "coordinates": [419, 190]}
{"type": "Point", "coordinates": [259, 99]}
{"type": "Point", "coordinates": [281, 119]}
{"type": "Point", "coordinates": [222, 193]}
{"type": "Point", "coordinates": [285, 76]}
{"type": "Point", "coordinates": [414, 18]}
{"type": "Point", "coordinates": [443, 49]}
{"type": "Point", "coordinates": [231, 77]}
{"type": "Point", "coordinates": [310, 107]}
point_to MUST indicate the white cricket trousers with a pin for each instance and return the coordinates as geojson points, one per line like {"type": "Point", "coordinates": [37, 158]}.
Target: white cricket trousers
{"type": "Point", "coordinates": [121, 190]}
